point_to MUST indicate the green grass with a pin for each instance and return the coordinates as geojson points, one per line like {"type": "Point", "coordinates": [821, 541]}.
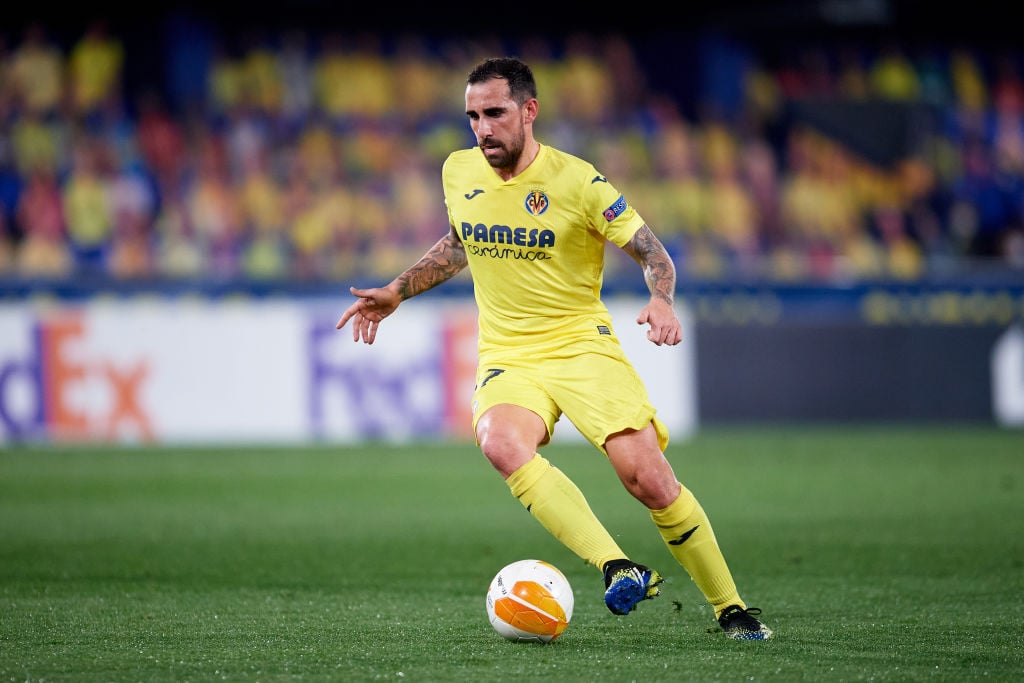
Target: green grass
{"type": "Point", "coordinates": [877, 554]}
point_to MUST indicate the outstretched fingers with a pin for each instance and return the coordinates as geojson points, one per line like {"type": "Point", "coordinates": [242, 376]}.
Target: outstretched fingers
{"type": "Point", "coordinates": [366, 314]}
{"type": "Point", "coordinates": [350, 312]}
{"type": "Point", "coordinates": [365, 328]}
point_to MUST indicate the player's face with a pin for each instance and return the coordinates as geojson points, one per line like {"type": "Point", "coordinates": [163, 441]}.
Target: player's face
{"type": "Point", "coordinates": [497, 121]}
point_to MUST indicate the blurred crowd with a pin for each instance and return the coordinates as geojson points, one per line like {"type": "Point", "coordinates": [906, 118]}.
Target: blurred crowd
{"type": "Point", "coordinates": [316, 157]}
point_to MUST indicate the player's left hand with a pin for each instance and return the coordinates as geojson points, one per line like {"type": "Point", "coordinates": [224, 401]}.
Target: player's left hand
{"type": "Point", "coordinates": [665, 325]}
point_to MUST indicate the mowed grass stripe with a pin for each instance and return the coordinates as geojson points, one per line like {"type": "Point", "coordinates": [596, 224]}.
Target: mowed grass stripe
{"type": "Point", "coordinates": [877, 554]}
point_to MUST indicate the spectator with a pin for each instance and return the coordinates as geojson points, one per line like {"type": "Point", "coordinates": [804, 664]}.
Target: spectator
{"type": "Point", "coordinates": [37, 143]}
{"type": "Point", "coordinates": [177, 253]}
{"type": "Point", "coordinates": [983, 199]}
{"type": "Point", "coordinates": [315, 235]}
{"type": "Point", "coordinates": [37, 73]}
{"type": "Point", "coordinates": [296, 71]}
{"type": "Point", "coordinates": [95, 69]}
{"type": "Point", "coordinates": [262, 87]}
{"type": "Point", "coordinates": [7, 86]}
{"type": "Point", "coordinates": [265, 249]}
{"type": "Point", "coordinates": [132, 196]}
{"type": "Point", "coordinates": [1013, 246]}
{"type": "Point", "coordinates": [130, 253]}
{"type": "Point", "coordinates": [761, 175]}
{"type": "Point", "coordinates": [970, 90]}
{"type": "Point", "coordinates": [682, 201]}
{"type": "Point", "coordinates": [892, 76]}
{"type": "Point", "coordinates": [6, 245]}
{"type": "Point", "coordinates": [330, 76]}
{"type": "Point", "coordinates": [628, 81]}
{"type": "Point", "coordinates": [225, 82]}
{"type": "Point", "coordinates": [161, 140]}
{"type": "Point", "coordinates": [10, 189]}
{"type": "Point", "coordinates": [370, 79]}
{"type": "Point", "coordinates": [585, 81]}
{"type": "Point", "coordinates": [86, 201]}
{"type": "Point", "coordinates": [733, 215]}
{"type": "Point", "coordinates": [853, 82]}
{"type": "Point", "coordinates": [903, 257]}
{"type": "Point", "coordinates": [213, 208]}
{"type": "Point", "coordinates": [352, 79]}
{"type": "Point", "coordinates": [932, 73]}
{"type": "Point", "coordinates": [1007, 87]}
{"type": "Point", "coordinates": [417, 73]}
{"type": "Point", "coordinates": [43, 251]}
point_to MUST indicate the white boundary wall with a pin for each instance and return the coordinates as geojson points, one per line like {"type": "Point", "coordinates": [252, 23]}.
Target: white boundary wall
{"type": "Point", "coordinates": [269, 371]}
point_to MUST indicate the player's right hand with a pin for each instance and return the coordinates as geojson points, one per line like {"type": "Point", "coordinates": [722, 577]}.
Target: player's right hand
{"type": "Point", "coordinates": [370, 308]}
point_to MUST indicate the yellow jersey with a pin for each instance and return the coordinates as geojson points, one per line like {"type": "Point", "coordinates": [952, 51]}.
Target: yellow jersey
{"type": "Point", "coordinates": [535, 246]}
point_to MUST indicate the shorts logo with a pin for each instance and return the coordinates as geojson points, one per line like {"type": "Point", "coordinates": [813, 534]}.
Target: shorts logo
{"type": "Point", "coordinates": [491, 374]}
{"type": "Point", "coordinates": [536, 202]}
{"type": "Point", "coordinates": [616, 209]}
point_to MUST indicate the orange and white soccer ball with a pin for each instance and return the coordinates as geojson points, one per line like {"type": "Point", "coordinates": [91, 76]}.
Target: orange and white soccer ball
{"type": "Point", "coordinates": [529, 601]}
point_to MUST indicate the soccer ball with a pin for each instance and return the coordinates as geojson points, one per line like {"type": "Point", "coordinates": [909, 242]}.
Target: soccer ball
{"type": "Point", "coordinates": [529, 601]}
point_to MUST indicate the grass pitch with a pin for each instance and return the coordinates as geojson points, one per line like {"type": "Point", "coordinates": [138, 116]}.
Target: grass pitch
{"type": "Point", "coordinates": [877, 554]}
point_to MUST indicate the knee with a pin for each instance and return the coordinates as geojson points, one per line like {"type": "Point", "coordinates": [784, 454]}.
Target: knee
{"type": "Point", "coordinates": [509, 437]}
{"type": "Point", "coordinates": [505, 453]}
{"type": "Point", "coordinates": [653, 488]}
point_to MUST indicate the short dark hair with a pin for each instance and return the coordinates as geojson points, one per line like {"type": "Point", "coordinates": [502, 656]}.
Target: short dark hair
{"type": "Point", "coordinates": [521, 85]}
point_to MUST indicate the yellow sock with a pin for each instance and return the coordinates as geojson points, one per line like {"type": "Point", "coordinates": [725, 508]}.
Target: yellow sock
{"type": "Point", "coordinates": [561, 508]}
{"type": "Point", "coordinates": [687, 532]}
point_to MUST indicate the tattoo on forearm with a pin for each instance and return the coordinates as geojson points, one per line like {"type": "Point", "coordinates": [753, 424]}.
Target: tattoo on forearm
{"type": "Point", "coordinates": [659, 271]}
{"type": "Point", "coordinates": [445, 260]}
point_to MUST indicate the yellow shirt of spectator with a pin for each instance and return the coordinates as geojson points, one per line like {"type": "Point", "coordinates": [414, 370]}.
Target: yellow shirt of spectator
{"type": "Point", "coordinates": [95, 67]}
{"type": "Point", "coordinates": [535, 246]}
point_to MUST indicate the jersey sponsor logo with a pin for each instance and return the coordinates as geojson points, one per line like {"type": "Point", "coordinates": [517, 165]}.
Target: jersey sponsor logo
{"type": "Point", "coordinates": [503, 234]}
{"type": "Point", "coordinates": [504, 242]}
{"type": "Point", "coordinates": [536, 202]}
{"type": "Point", "coordinates": [616, 209]}
{"type": "Point", "coordinates": [599, 179]}
{"type": "Point", "coordinates": [509, 253]}
{"type": "Point", "coordinates": [472, 194]}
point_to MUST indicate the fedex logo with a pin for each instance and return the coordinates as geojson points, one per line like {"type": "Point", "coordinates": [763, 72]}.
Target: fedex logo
{"type": "Point", "coordinates": [56, 387]}
{"type": "Point", "coordinates": [216, 372]}
{"type": "Point", "coordinates": [416, 381]}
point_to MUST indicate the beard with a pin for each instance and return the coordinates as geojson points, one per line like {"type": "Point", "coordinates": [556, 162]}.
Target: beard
{"type": "Point", "coordinates": [505, 155]}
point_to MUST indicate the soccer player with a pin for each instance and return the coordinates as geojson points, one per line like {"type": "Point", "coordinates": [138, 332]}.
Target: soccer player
{"type": "Point", "coordinates": [531, 222]}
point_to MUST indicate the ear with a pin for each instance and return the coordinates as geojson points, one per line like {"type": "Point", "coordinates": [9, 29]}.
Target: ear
{"type": "Point", "coordinates": [530, 108]}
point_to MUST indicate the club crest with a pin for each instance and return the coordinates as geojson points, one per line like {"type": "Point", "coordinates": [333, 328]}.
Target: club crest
{"type": "Point", "coordinates": [536, 202]}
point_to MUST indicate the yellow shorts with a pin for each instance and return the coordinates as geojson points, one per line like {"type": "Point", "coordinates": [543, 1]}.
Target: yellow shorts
{"type": "Point", "coordinates": [596, 388]}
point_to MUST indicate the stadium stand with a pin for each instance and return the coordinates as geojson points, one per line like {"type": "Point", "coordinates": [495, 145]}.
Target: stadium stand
{"type": "Point", "coordinates": [289, 154]}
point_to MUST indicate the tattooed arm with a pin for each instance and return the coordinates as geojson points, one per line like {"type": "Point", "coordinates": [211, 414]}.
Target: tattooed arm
{"type": "Point", "coordinates": [660, 276]}
{"type": "Point", "coordinates": [442, 262]}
